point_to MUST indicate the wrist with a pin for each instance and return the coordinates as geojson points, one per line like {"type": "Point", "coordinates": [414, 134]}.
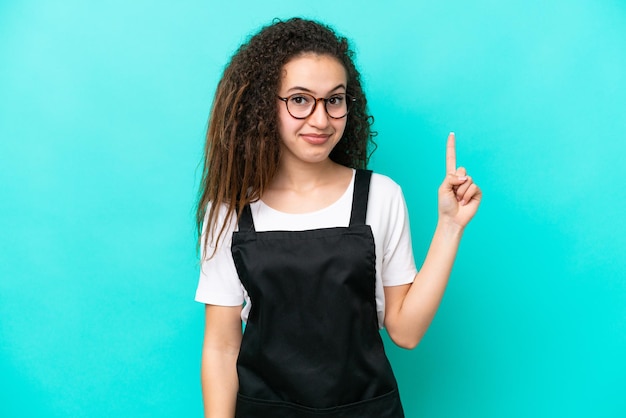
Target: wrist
{"type": "Point", "coordinates": [449, 229]}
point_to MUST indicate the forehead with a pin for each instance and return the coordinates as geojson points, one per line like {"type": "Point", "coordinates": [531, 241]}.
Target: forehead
{"type": "Point", "coordinates": [318, 73]}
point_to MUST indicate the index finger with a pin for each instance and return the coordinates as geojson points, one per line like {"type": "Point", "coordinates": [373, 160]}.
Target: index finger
{"type": "Point", "coordinates": [451, 154]}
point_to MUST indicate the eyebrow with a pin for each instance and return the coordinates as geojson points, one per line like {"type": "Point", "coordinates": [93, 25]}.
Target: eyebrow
{"type": "Point", "coordinates": [298, 88]}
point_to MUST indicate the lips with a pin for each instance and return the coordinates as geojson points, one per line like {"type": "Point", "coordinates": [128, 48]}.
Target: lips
{"type": "Point", "coordinates": [315, 139]}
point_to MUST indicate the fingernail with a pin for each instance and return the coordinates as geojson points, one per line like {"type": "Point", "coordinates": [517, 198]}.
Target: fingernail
{"type": "Point", "coordinates": [463, 202]}
{"type": "Point", "coordinates": [462, 178]}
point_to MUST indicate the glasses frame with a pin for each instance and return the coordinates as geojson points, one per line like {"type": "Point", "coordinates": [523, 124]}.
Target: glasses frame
{"type": "Point", "coordinates": [349, 102]}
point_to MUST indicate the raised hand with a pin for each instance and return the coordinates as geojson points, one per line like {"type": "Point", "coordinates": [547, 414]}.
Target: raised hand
{"type": "Point", "coordinates": [459, 196]}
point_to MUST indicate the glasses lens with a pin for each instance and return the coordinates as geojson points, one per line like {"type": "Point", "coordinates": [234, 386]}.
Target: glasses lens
{"type": "Point", "coordinates": [300, 105]}
{"type": "Point", "coordinates": [337, 105]}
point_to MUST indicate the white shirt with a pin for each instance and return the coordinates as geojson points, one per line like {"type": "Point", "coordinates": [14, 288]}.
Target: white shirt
{"type": "Point", "coordinates": [386, 214]}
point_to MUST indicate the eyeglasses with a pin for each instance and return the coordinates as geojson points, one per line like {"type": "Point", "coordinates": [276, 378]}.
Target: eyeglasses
{"type": "Point", "coordinates": [302, 105]}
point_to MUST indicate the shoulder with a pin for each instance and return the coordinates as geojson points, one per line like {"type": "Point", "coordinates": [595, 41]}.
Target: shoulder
{"type": "Point", "coordinates": [386, 200]}
{"type": "Point", "coordinates": [217, 234]}
{"type": "Point", "coordinates": [382, 186]}
{"type": "Point", "coordinates": [222, 215]}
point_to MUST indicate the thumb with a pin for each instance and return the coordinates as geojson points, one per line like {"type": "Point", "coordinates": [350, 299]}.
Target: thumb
{"type": "Point", "coordinates": [454, 180]}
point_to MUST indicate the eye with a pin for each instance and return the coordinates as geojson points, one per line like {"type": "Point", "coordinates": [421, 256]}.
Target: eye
{"type": "Point", "coordinates": [336, 100]}
{"type": "Point", "coordinates": [299, 100]}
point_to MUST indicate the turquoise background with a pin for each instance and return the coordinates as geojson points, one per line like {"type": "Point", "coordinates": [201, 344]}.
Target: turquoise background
{"type": "Point", "coordinates": [103, 108]}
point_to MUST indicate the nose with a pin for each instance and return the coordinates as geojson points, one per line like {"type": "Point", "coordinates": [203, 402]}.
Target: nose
{"type": "Point", "coordinates": [319, 118]}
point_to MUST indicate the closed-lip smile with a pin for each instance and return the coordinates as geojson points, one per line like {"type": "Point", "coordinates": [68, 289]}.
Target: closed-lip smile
{"type": "Point", "coordinates": [315, 139]}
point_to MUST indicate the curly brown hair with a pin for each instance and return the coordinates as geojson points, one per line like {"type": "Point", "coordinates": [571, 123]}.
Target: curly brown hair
{"type": "Point", "coordinates": [242, 149]}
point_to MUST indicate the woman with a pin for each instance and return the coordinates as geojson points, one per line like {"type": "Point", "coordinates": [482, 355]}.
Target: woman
{"type": "Point", "coordinates": [316, 249]}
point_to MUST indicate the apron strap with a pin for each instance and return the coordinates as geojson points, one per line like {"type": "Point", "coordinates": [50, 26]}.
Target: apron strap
{"type": "Point", "coordinates": [359, 199]}
{"type": "Point", "coordinates": [246, 224]}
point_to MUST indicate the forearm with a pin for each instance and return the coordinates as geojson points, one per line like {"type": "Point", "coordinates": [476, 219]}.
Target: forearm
{"type": "Point", "coordinates": [219, 382]}
{"type": "Point", "coordinates": [222, 340]}
{"type": "Point", "coordinates": [409, 321]}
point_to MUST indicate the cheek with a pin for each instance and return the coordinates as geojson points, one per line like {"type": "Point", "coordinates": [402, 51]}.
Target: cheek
{"type": "Point", "coordinates": [283, 121]}
{"type": "Point", "coordinates": [286, 124]}
{"type": "Point", "coordinates": [340, 127]}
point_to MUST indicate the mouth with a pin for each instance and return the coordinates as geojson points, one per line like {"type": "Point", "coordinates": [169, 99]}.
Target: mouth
{"type": "Point", "coordinates": [315, 139]}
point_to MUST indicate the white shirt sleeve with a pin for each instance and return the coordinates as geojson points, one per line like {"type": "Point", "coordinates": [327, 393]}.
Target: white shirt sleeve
{"type": "Point", "coordinates": [219, 282]}
{"type": "Point", "coordinates": [398, 261]}
{"type": "Point", "coordinates": [388, 217]}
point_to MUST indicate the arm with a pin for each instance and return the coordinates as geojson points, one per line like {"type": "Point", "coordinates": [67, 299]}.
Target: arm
{"type": "Point", "coordinates": [222, 339]}
{"type": "Point", "coordinates": [409, 309]}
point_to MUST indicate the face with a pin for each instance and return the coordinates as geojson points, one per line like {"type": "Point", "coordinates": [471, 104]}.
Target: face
{"type": "Point", "coordinates": [311, 140]}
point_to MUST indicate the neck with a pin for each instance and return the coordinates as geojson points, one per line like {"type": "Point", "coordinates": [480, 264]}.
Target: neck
{"type": "Point", "coordinates": [305, 176]}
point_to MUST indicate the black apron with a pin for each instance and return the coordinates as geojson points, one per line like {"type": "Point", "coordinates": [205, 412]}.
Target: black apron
{"type": "Point", "coordinates": [311, 347]}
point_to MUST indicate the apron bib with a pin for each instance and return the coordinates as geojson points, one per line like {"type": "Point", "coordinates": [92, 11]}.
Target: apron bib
{"type": "Point", "coordinates": [311, 346]}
